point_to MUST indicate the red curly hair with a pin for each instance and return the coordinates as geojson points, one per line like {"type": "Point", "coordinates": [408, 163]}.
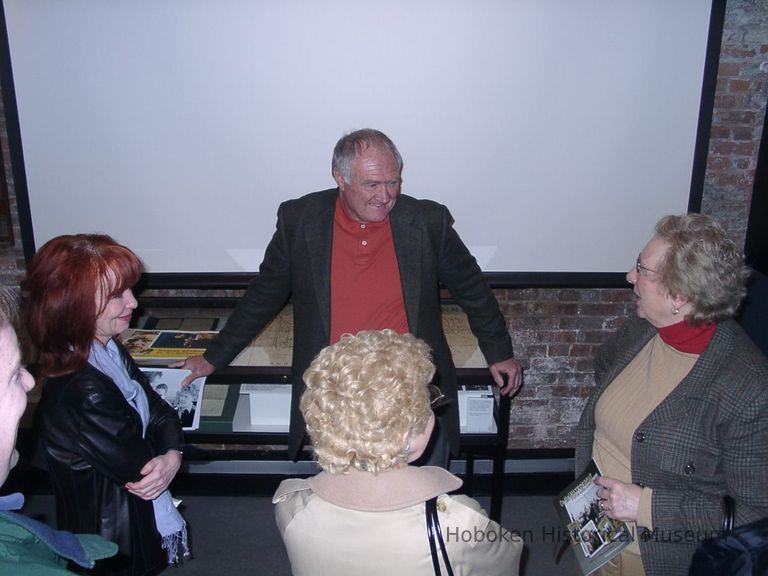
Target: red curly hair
{"type": "Point", "coordinates": [60, 293]}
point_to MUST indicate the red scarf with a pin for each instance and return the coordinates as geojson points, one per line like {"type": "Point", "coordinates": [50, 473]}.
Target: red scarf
{"type": "Point", "coordinates": [686, 338]}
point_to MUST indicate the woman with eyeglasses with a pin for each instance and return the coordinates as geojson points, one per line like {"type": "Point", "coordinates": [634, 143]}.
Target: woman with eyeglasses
{"type": "Point", "coordinates": [368, 414]}
{"type": "Point", "coordinates": [679, 414]}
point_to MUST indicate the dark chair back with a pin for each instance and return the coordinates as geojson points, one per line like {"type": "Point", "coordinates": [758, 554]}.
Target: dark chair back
{"type": "Point", "coordinates": [741, 552]}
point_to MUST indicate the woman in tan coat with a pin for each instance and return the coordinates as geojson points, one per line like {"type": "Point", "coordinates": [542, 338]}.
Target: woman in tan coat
{"type": "Point", "coordinates": [367, 410]}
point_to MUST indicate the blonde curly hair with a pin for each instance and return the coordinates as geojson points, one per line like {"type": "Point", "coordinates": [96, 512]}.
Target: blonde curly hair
{"type": "Point", "coordinates": [364, 395]}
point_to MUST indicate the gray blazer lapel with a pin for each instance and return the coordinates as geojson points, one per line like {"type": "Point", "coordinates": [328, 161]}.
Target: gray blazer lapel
{"type": "Point", "coordinates": [318, 235]}
{"type": "Point", "coordinates": [409, 244]}
{"type": "Point", "coordinates": [697, 381]}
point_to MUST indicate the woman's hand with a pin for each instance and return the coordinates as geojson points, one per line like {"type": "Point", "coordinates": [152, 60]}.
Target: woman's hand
{"type": "Point", "coordinates": [157, 475]}
{"type": "Point", "coordinates": [618, 499]}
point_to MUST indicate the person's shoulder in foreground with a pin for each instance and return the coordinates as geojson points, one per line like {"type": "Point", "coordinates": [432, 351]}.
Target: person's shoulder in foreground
{"type": "Point", "coordinates": [31, 548]}
{"type": "Point", "coordinates": [337, 535]}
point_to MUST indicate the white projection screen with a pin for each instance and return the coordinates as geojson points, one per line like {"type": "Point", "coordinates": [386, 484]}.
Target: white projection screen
{"type": "Point", "coordinates": [556, 131]}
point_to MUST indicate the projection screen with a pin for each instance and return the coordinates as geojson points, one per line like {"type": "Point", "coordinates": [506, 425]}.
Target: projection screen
{"type": "Point", "coordinates": [557, 132]}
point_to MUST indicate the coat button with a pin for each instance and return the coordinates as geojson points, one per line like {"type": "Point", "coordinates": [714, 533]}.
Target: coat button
{"type": "Point", "coordinates": [640, 437]}
{"type": "Point", "coordinates": [641, 484]}
{"type": "Point", "coordinates": [689, 469]}
{"type": "Point", "coordinates": [645, 534]}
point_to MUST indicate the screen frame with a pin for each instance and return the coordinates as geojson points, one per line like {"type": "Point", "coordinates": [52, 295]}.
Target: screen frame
{"type": "Point", "coordinates": [497, 279]}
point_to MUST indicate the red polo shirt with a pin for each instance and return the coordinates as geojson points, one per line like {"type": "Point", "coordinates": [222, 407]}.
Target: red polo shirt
{"type": "Point", "coordinates": [366, 293]}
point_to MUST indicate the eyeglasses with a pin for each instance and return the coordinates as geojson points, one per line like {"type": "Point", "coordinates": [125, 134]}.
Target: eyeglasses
{"type": "Point", "coordinates": [640, 268]}
{"type": "Point", "coordinates": [436, 397]}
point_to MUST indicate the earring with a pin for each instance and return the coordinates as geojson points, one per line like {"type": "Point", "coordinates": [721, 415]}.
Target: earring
{"type": "Point", "coordinates": [675, 311]}
{"type": "Point", "coordinates": [404, 454]}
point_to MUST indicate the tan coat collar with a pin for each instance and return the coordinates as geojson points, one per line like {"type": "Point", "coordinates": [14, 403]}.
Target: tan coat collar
{"type": "Point", "coordinates": [390, 490]}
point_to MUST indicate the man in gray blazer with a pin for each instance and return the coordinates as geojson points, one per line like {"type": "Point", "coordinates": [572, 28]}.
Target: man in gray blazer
{"type": "Point", "coordinates": [381, 257]}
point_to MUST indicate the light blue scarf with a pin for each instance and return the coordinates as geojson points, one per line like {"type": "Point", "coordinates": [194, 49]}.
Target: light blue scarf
{"type": "Point", "coordinates": [170, 523]}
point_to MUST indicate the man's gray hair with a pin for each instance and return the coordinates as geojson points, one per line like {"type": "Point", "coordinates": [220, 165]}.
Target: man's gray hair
{"type": "Point", "coordinates": [356, 142]}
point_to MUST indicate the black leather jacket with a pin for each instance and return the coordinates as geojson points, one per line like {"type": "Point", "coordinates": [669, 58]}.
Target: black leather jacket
{"type": "Point", "coordinates": [92, 440]}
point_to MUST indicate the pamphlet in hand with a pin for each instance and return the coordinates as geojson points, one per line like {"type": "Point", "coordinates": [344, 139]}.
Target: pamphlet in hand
{"type": "Point", "coordinates": [595, 537]}
{"type": "Point", "coordinates": [186, 400]}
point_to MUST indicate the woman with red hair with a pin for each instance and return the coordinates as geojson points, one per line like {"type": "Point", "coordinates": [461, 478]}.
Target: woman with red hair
{"type": "Point", "coordinates": [112, 445]}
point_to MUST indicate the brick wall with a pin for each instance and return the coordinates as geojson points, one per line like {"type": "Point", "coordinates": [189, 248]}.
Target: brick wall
{"type": "Point", "coordinates": [11, 257]}
{"type": "Point", "coordinates": [555, 334]}
{"type": "Point", "coordinates": [740, 104]}
{"type": "Point", "coordinates": [556, 331]}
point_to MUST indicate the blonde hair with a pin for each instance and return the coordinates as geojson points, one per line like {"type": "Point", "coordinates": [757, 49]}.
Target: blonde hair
{"type": "Point", "coordinates": [702, 264]}
{"type": "Point", "coordinates": [364, 395]}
